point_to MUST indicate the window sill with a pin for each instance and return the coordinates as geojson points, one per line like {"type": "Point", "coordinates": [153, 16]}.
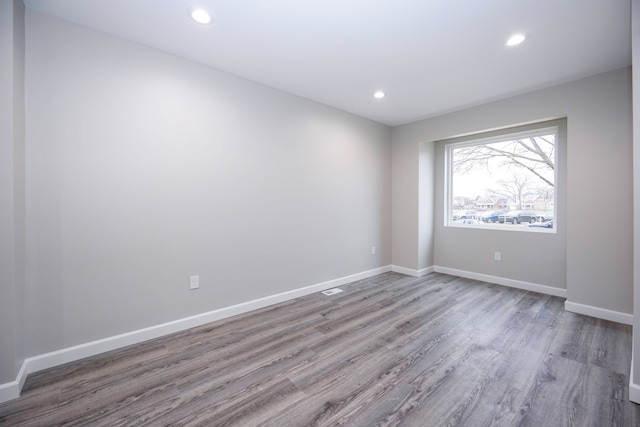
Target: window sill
{"type": "Point", "coordinates": [522, 228]}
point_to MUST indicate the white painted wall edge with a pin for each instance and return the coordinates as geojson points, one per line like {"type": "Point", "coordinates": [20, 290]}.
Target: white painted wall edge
{"type": "Point", "coordinates": [527, 286]}
{"type": "Point", "coordinates": [600, 313]}
{"type": "Point", "coordinates": [634, 389]}
{"type": "Point", "coordinates": [412, 272]}
{"type": "Point", "coordinates": [11, 390]}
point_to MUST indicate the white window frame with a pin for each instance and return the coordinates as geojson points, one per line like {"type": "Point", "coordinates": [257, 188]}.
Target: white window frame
{"type": "Point", "coordinates": [544, 129]}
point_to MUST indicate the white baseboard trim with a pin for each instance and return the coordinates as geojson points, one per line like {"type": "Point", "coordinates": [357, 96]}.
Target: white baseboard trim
{"type": "Point", "coordinates": [600, 313]}
{"type": "Point", "coordinates": [634, 393]}
{"type": "Point", "coordinates": [527, 286]}
{"type": "Point", "coordinates": [412, 272]}
{"type": "Point", "coordinates": [11, 390]}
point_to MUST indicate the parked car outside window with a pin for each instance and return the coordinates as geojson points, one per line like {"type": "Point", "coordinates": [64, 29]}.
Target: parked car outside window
{"type": "Point", "coordinates": [517, 217]}
{"type": "Point", "coordinates": [466, 215]}
{"type": "Point", "coordinates": [545, 217]}
{"type": "Point", "coordinates": [492, 216]}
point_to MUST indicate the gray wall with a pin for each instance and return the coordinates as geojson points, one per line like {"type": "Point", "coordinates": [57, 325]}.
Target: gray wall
{"type": "Point", "coordinates": [144, 168]}
{"type": "Point", "coordinates": [12, 189]}
{"type": "Point", "coordinates": [598, 257]}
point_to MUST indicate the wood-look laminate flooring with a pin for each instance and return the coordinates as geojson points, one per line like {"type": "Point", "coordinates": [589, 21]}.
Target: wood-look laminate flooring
{"type": "Point", "coordinates": [389, 350]}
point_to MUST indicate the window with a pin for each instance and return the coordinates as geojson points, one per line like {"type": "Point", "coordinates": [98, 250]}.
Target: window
{"type": "Point", "coordinates": [505, 181]}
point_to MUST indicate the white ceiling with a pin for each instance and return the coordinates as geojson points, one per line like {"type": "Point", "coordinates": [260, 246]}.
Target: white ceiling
{"type": "Point", "coordinates": [429, 56]}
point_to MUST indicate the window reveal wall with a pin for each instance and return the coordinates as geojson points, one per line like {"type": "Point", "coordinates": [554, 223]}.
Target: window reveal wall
{"type": "Point", "coordinates": [528, 256]}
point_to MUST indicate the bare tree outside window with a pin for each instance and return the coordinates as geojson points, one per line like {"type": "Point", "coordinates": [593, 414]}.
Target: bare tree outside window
{"type": "Point", "coordinates": [534, 154]}
{"type": "Point", "coordinates": [510, 175]}
{"type": "Point", "coordinates": [515, 188]}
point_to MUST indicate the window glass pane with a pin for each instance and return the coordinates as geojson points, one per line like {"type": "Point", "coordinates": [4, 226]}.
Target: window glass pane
{"type": "Point", "coordinates": [506, 181]}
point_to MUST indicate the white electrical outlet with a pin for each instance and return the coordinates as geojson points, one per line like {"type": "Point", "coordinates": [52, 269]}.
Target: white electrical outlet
{"type": "Point", "coordinates": [373, 250]}
{"type": "Point", "coordinates": [194, 282]}
{"type": "Point", "coordinates": [497, 256]}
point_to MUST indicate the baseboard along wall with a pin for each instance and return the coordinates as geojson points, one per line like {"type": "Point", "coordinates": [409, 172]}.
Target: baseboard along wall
{"type": "Point", "coordinates": [412, 272]}
{"type": "Point", "coordinates": [600, 313]}
{"type": "Point", "coordinates": [11, 390]}
{"type": "Point", "coordinates": [519, 284]}
{"type": "Point", "coordinates": [597, 312]}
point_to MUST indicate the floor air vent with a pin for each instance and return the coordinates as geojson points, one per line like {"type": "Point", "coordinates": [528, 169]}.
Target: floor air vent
{"type": "Point", "coordinates": [332, 291]}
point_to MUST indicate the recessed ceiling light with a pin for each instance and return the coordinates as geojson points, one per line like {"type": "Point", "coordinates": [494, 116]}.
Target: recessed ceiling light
{"type": "Point", "coordinates": [201, 16]}
{"type": "Point", "coordinates": [516, 39]}
{"type": "Point", "coordinates": [379, 94]}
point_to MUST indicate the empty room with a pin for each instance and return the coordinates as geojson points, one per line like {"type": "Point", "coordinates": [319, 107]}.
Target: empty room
{"type": "Point", "coordinates": [288, 213]}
